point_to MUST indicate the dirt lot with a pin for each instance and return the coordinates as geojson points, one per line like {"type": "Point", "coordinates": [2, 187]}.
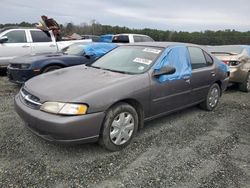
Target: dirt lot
{"type": "Point", "coordinates": [191, 148]}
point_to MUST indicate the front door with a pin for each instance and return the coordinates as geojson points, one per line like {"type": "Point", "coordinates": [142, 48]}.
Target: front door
{"type": "Point", "coordinates": [16, 45]}
{"type": "Point", "coordinates": [169, 95]}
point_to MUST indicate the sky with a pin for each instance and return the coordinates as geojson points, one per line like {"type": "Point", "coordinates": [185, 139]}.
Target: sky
{"type": "Point", "coordinates": [179, 15]}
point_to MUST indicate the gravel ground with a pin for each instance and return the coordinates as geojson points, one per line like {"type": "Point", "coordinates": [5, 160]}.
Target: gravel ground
{"type": "Point", "coordinates": [191, 148]}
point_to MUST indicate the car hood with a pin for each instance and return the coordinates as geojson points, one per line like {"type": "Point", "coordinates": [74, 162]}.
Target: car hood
{"type": "Point", "coordinates": [28, 59]}
{"type": "Point", "coordinates": [71, 84]}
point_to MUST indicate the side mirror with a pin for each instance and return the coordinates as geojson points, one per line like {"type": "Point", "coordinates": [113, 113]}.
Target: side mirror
{"type": "Point", "coordinates": [3, 39]}
{"type": "Point", "coordinates": [164, 71]}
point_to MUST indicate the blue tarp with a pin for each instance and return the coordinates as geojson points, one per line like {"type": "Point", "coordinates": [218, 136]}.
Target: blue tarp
{"type": "Point", "coordinates": [98, 49]}
{"type": "Point", "coordinates": [106, 38]}
{"type": "Point", "coordinates": [224, 67]}
{"type": "Point", "coordinates": [177, 57]}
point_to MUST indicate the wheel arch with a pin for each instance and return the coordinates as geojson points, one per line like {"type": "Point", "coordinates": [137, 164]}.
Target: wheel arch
{"type": "Point", "coordinates": [53, 63]}
{"type": "Point", "coordinates": [136, 105]}
{"type": "Point", "coordinates": [220, 85]}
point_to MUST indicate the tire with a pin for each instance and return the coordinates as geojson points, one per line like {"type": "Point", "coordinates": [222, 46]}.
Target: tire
{"type": "Point", "coordinates": [51, 68]}
{"type": "Point", "coordinates": [119, 127]}
{"type": "Point", "coordinates": [212, 98]}
{"type": "Point", "coordinates": [245, 86]}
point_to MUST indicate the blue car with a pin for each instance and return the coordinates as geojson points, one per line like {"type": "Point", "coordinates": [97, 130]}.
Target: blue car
{"type": "Point", "coordinates": [23, 68]}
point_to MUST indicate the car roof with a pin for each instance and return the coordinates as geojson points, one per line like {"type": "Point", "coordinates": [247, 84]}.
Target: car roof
{"type": "Point", "coordinates": [161, 44]}
{"type": "Point", "coordinates": [130, 34]}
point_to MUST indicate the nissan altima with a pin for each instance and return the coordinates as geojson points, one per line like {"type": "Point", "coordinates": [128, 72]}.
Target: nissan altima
{"type": "Point", "coordinates": [109, 100]}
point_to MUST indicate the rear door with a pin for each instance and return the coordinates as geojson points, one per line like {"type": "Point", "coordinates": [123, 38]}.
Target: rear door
{"type": "Point", "coordinates": [42, 42]}
{"type": "Point", "coordinates": [203, 73]}
{"type": "Point", "coordinates": [17, 45]}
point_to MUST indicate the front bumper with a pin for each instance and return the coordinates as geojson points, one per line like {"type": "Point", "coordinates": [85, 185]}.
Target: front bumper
{"type": "Point", "coordinates": [19, 76]}
{"type": "Point", "coordinates": [62, 129]}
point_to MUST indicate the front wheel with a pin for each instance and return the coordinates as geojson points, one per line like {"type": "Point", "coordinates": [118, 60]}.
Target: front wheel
{"type": "Point", "coordinates": [212, 98]}
{"type": "Point", "coordinates": [119, 127]}
{"type": "Point", "coordinates": [245, 86]}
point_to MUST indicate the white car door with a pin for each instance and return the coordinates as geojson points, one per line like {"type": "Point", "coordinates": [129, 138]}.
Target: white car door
{"type": "Point", "coordinates": [42, 42]}
{"type": "Point", "coordinates": [16, 45]}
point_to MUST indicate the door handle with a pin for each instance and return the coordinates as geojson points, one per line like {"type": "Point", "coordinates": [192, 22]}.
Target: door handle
{"type": "Point", "coordinates": [25, 46]}
{"type": "Point", "coordinates": [52, 46]}
{"type": "Point", "coordinates": [187, 79]}
{"type": "Point", "coordinates": [213, 73]}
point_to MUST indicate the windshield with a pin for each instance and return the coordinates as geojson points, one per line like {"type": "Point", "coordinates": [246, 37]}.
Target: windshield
{"type": "Point", "coordinates": [75, 49]}
{"type": "Point", "coordinates": [230, 50]}
{"type": "Point", "coordinates": [129, 59]}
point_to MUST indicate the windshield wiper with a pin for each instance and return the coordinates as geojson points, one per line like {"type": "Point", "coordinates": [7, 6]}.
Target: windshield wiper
{"type": "Point", "coordinates": [123, 72]}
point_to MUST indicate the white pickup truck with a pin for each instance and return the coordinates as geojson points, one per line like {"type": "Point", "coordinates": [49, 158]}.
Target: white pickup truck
{"type": "Point", "coordinates": [20, 42]}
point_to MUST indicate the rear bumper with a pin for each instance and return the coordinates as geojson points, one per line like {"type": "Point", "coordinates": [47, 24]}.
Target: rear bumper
{"type": "Point", "coordinates": [237, 74]}
{"type": "Point", "coordinates": [19, 76]}
{"type": "Point", "coordinates": [61, 129]}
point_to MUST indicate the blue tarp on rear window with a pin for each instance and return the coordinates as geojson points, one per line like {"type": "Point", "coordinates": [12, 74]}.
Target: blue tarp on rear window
{"type": "Point", "coordinates": [177, 57]}
{"type": "Point", "coordinates": [98, 49]}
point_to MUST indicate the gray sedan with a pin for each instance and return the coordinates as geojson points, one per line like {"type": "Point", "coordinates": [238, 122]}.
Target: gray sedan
{"type": "Point", "coordinates": [109, 100]}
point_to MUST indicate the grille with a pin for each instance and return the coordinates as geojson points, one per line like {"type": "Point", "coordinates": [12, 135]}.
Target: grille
{"type": "Point", "coordinates": [29, 99]}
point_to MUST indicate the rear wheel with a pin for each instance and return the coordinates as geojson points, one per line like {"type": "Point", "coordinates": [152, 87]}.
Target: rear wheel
{"type": "Point", "coordinates": [212, 98]}
{"type": "Point", "coordinates": [119, 127]}
{"type": "Point", "coordinates": [51, 68]}
{"type": "Point", "coordinates": [245, 86]}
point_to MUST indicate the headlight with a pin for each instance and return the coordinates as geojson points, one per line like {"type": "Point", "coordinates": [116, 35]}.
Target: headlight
{"type": "Point", "coordinates": [64, 108]}
{"type": "Point", "coordinates": [25, 66]}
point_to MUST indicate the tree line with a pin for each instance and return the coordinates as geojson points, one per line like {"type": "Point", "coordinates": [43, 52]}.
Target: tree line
{"type": "Point", "coordinates": [221, 37]}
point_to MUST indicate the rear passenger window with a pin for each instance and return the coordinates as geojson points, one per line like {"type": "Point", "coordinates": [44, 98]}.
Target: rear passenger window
{"type": "Point", "coordinates": [138, 38]}
{"type": "Point", "coordinates": [208, 58]}
{"type": "Point", "coordinates": [40, 36]}
{"type": "Point", "coordinates": [198, 59]}
{"type": "Point", "coordinates": [16, 37]}
{"type": "Point", "coordinates": [147, 39]}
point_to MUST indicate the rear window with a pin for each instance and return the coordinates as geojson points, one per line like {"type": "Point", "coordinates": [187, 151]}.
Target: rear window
{"type": "Point", "coordinates": [40, 36]}
{"type": "Point", "coordinates": [120, 39]}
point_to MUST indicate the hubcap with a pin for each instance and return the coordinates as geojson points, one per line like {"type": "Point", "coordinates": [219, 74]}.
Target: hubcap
{"type": "Point", "coordinates": [214, 97]}
{"type": "Point", "coordinates": [122, 128]}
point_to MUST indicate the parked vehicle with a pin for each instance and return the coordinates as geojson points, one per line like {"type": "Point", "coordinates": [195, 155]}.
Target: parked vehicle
{"type": "Point", "coordinates": [238, 58]}
{"type": "Point", "coordinates": [20, 42]}
{"type": "Point", "coordinates": [131, 38]}
{"type": "Point", "coordinates": [23, 68]}
{"type": "Point", "coordinates": [94, 38]}
{"type": "Point", "coordinates": [110, 99]}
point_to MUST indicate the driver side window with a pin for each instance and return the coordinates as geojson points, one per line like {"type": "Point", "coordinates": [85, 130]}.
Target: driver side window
{"type": "Point", "coordinates": [16, 37]}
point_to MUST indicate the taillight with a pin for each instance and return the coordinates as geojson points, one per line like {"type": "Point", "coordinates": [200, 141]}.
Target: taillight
{"type": "Point", "coordinates": [232, 63]}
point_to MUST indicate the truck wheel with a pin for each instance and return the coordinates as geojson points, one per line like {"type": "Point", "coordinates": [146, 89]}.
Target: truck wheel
{"type": "Point", "coordinates": [212, 98]}
{"type": "Point", "coordinates": [119, 127]}
{"type": "Point", "coordinates": [245, 86]}
{"type": "Point", "coordinates": [51, 68]}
